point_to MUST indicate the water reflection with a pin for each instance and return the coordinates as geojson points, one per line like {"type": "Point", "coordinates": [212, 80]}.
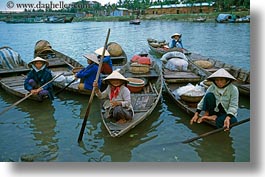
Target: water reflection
{"type": "Point", "coordinates": [51, 132]}
{"type": "Point", "coordinates": [41, 125]}
{"type": "Point", "coordinates": [101, 147]}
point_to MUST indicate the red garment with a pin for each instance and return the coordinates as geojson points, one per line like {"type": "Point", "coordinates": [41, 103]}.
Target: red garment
{"type": "Point", "coordinates": [106, 69]}
{"type": "Point", "coordinates": [135, 58]}
{"type": "Point", "coordinates": [144, 60]}
{"type": "Point", "coordinates": [141, 60]}
{"type": "Point", "coordinates": [114, 92]}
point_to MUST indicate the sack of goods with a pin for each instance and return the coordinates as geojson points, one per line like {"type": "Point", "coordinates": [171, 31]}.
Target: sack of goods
{"type": "Point", "coordinates": [190, 93]}
{"type": "Point", "coordinates": [177, 64]}
{"type": "Point", "coordinates": [42, 47]}
{"type": "Point", "coordinates": [114, 50]}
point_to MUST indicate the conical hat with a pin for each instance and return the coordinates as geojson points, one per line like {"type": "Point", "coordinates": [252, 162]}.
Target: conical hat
{"type": "Point", "coordinates": [38, 59]}
{"type": "Point", "coordinates": [92, 57]}
{"type": "Point", "coordinates": [100, 51]}
{"type": "Point", "coordinates": [176, 34]}
{"type": "Point", "coordinates": [116, 75]}
{"type": "Point", "coordinates": [221, 73]}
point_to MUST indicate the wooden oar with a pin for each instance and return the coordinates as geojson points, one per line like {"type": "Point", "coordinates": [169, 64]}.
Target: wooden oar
{"type": "Point", "coordinates": [93, 90]}
{"type": "Point", "coordinates": [57, 93]}
{"type": "Point", "coordinates": [215, 131]}
{"type": "Point", "coordinates": [206, 134]}
{"type": "Point", "coordinates": [28, 95]}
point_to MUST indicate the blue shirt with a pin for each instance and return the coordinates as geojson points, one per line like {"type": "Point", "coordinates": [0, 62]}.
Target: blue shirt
{"type": "Point", "coordinates": [89, 75]}
{"type": "Point", "coordinates": [175, 43]}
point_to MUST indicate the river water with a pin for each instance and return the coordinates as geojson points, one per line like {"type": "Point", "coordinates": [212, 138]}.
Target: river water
{"type": "Point", "coordinates": [49, 132]}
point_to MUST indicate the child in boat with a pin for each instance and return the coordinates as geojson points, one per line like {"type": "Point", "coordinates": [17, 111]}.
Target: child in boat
{"type": "Point", "coordinates": [119, 104]}
{"type": "Point", "coordinates": [107, 63]}
{"type": "Point", "coordinates": [38, 76]}
{"type": "Point", "coordinates": [88, 74]}
{"type": "Point", "coordinates": [220, 102]}
{"type": "Point", "coordinates": [176, 41]}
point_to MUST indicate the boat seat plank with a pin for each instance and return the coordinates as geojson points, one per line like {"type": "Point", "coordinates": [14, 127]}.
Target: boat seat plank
{"type": "Point", "coordinates": [16, 70]}
{"type": "Point", "coordinates": [180, 75]}
{"type": "Point", "coordinates": [56, 62]}
{"type": "Point", "coordinates": [151, 73]}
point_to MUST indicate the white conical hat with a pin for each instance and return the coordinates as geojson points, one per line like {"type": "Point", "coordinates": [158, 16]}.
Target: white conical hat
{"type": "Point", "coordinates": [176, 34]}
{"type": "Point", "coordinates": [116, 75]}
{"type": "Point", "coordinates": [38, 59]}
{"type": "Point", "coordinates": [221, 73]}
{"type": "Point", "coordinates": [100, 51]}
{"type": "Point", "coordinates": [92, 57]}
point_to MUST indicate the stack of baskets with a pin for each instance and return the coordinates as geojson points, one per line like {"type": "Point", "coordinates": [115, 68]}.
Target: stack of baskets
{"type": "Point", "coordinates": [137, 68]}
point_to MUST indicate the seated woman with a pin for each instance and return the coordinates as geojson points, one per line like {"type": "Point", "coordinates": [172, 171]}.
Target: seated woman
{"type": "Point", "coordinates": [120, 108]}
{"type": "Point", "coordinates": [38, 76]}
{"type": "Point", "coordinates": [220, 102]}
{"type": "Point", "coordinates": [107, 63]}
{"type": "Point", "coordinates": [176, 41]}
{"type": "Point", "coordinates": [88, 74]}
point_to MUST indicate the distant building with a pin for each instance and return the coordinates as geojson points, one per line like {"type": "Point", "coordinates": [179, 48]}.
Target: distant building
{"type": "Point", "coordinates": [120, 12]}
{"type": "Point", "coordinates": [181, 8]}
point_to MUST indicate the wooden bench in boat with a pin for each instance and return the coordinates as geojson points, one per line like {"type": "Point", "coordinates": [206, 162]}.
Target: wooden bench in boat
{"type": "Point", "coordinates": [16, 70]}
{"type": "Point", "coordinates": [150, 74]}
{"type": "Point", "coordinates": [180, 76]}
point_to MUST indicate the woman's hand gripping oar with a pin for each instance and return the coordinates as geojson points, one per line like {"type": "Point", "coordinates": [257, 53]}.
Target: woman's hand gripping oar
{"type": "Point", "coordinates": [93, 90]}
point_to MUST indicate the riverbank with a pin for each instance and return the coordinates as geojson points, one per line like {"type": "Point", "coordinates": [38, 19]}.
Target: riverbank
{"type": "Point", "coordinates": [210, 17]}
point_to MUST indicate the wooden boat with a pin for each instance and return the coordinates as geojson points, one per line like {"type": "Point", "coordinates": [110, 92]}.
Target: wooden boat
{"type": "Point", "coordinates": [61, 63]}
{"type": "Point", "coordinates": [59, 19]}
{"type": "Point", "coordinates": [12, 77]}
{"type": "Point", "coordinates": [143, 102]}
{"type": "Point", "coordinates": [199, 19]}
{"type": "Point", "coordinates": [242, 76]}
{"type": "Point", "coordinates": [232, 18]}
{"type": "Point", "coordinates": [173, 80]}
{"type": "Point", "coordinates": [135, 22]}
{"type": "Point", "coordinates": [158, 47]}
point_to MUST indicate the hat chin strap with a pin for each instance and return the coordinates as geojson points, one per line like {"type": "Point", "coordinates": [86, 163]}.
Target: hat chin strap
{"type": "Point", "coordinates": [36, 69]}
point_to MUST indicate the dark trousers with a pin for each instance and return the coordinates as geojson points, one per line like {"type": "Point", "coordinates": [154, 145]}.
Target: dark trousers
{"type": "Point", "coordinates": [121, 113]}
{"type": "Point", "coordinates": [209, 105]}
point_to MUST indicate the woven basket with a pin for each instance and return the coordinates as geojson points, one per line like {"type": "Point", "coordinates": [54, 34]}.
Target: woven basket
{"type": "Point", "coordinates": [115, 50]}
{"type": "Point", "coordinates": [204, 64]}
{"type": "Point", "coordinates": [192, 99]}
{"type": "Point", "coordinates": [139, 68]}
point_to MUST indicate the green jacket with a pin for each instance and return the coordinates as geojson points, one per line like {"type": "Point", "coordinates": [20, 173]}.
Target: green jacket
{"type": "Point", "coordinates": [228, 97]}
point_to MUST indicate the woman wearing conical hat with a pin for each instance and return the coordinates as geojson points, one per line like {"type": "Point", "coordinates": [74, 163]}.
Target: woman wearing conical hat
{"type": "Point", "coordinates": [88, 74]}
{"type": "Point", "coordinates": [176, 41]}
{"type": "Point", "coordinates": [38, 76]}
{"type": "Point", "coordinates": [220, 103]}
{"type": "Point", "coordinates": [107, 63]}
{"type": "Point", "coordinates": [119, 106]}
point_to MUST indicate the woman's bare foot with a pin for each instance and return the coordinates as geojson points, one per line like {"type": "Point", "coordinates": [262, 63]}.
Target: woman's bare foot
{"type": "Point", "coordinates": [121, 121]}
{"type": "Point", "coordinates": [203, 118]}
